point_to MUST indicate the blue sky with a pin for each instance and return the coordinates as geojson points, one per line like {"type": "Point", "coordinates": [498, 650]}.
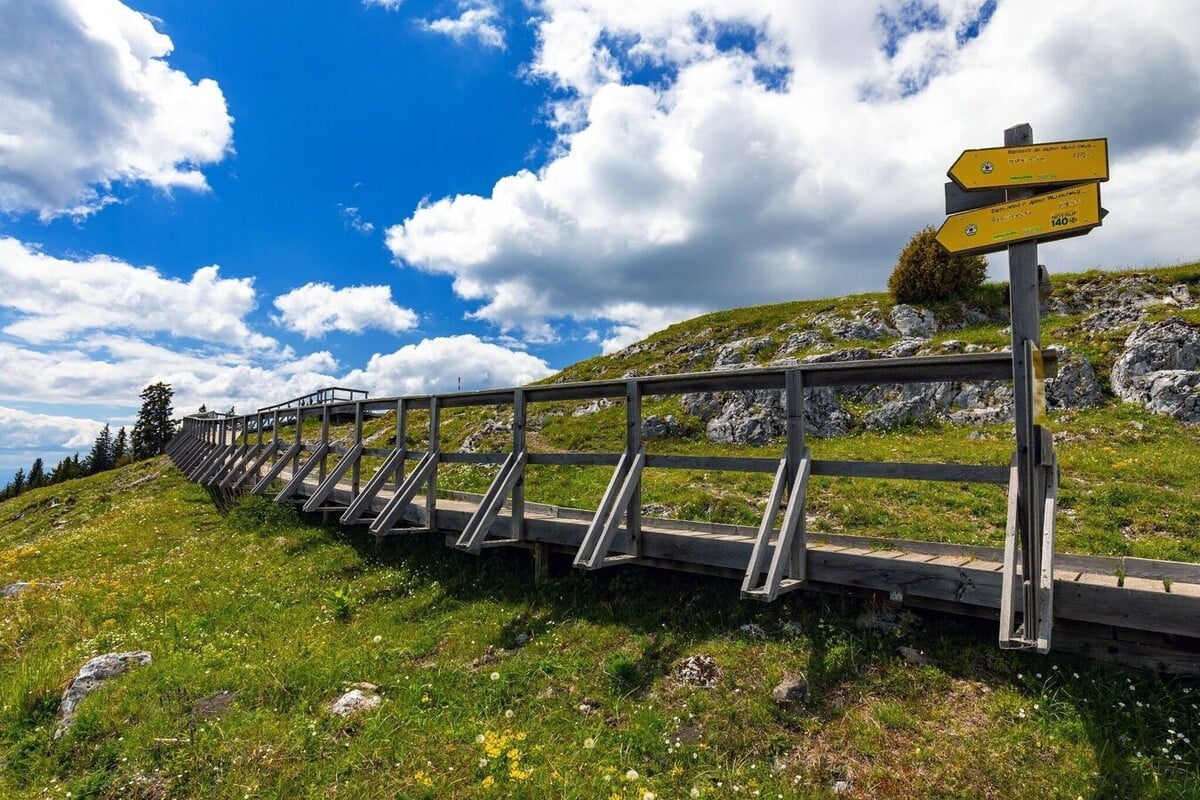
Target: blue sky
{"type": "Point", "coordinates": [251, 200]}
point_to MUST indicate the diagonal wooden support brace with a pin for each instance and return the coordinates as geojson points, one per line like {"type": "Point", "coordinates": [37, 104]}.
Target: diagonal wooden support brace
{"type": "Point", "coordinates": [253, 470]}
{"type": "Point", "coordinates": [232, 469]}
{"type": "Point", "coordinates": [327, 486]}
{"type": "Point", "coordinates": [186, 458]}
{"type": "Point", "coordinates": [1046, 578]}
{"type": "Point", "coordinates": [216, 455]}
{"type": "Point", "coordinates": [253, 459]}
{"type": "Point", "coordinates": [235, 455]}
{"type": "Point", "coordinates": [475, 533]}
{"type": "Point", "coordinates": [297, 479]}
{"type": "Point", "coordinates": [425, 470]}
{"type": "Point", "coordinates": [593, 551]}
{"type": "Point", "coordinates": [1035, 628]}
{"type": "Point", "coordinates": [278, 467]}
{"type": "Point", "coordinates": [359, 505]}
{"type": "Point", "coordinates": [789, 553]}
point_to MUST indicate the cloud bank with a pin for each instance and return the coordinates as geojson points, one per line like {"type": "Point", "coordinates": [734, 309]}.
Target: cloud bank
{"type": "Point", "coordinates": [715, 154]}
{"type": "Point", "coordinates": [89, 101]}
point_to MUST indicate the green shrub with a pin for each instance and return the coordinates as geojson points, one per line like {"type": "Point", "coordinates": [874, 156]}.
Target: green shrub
{"type": "Point", "coordinates": [927, 273]}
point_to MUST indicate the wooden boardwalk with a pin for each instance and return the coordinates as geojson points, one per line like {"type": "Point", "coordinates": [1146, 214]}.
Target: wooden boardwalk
{"type": "Point", "coordinates": [1133, 611]}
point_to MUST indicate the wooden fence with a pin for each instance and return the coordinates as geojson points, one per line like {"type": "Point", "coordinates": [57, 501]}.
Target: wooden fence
{"type": "Point", "coordinates": [1130, 610]}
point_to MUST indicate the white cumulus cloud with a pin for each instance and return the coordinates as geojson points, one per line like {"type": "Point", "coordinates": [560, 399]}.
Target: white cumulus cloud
{"type": "Point", "coordinates": [57, 298]}
{"type": "Point", "coordinates": [89, 100]}
{"type": "Point", "coordinates": [715, 154]}
{"type": "Point", "coordinates": [317, 308]}
{"type": "Point", "coordinates": [31, 431]}
{"type": "Point", "coordinates": [478, 20]}
{"type": "Point", "coordinates": [439, 365]}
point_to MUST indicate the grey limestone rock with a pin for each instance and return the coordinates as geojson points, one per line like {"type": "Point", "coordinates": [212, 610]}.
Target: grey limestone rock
{"type": "Point", "coordinates": [755, 417]}
{"type": "Point", "coordinates": [1075, 386]}
{"type": "Point", "coordinates": [1111, 319]}
{"type": "Point", "coordinates": [1158, 369]}
{"type": "Point", "coordinates": [800, 341]}
{"type": "Point", "coordinates": [741, 351]}
{"type": "Point", "coordinates": [914, 322]}
{"type": "Point", "coordinates": [355, 701]}
{"type": "Point", "coordinates": [907, 411]}
{"type": "Point", "coordinates": [660, 427]}
{"type": "Point", "coordinates": [88, 679]}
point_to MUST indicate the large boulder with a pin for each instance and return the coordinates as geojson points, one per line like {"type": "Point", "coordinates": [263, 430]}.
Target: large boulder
{"type": "Point", "coordinates": [802, 340]}
{"type": "Point", "coordinates": [918, 410]}
{"type": "Point", "coordinates": [917, 323]}
{"type": "Point", "coordinates": [1158, 369]}
{"type": "Point", "coordinates": [657, 426]}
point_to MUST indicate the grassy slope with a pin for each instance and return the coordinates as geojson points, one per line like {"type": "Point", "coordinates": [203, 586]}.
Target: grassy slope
{"type": "Point", "coordinates": [248, 605]}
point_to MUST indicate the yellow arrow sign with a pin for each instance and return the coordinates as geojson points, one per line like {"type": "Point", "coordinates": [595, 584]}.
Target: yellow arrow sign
{"type": "Point", "coordinates": [1055, 215]}
{"type": "Point", "coordinates": [1033, 165]}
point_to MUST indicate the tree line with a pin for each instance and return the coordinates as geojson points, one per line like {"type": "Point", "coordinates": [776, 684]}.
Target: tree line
{"type": "Point", "coordinates": [153, 429]}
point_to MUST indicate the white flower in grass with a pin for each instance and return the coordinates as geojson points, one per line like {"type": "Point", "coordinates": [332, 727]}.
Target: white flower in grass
{"type": "Point", "coordinates": [495, 676]}
{"type": "Point", "coordinates": [631, 775]}
{"type": "Point", "coordinates": [589, 743]}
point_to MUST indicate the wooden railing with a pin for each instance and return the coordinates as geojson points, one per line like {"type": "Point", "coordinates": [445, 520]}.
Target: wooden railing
{"type": "Point", "coordinates": [252, 453]}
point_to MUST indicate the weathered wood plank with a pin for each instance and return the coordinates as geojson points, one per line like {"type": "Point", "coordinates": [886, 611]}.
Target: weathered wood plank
{"type": "Point", "coordinates": [715, 463]}
{"type": "Point", "coordinates": [956, 473]}
{"type": "Point", "coordinates": [576, 459]}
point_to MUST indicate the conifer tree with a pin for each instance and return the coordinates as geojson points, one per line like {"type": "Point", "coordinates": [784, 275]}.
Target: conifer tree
{"type": "Point", "coordinates": [37, 474]}
{"type": "Point", "coordinates": [154, 426]}
{"type": "Point", "coordinates": [18, 483]}
{"type": "Point", "coordinates": [101, 457]}
{"type": "Point", "coordinates": [120, 447]}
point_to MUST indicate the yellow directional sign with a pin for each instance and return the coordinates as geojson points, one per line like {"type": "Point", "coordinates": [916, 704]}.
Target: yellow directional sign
{"type": "Point", "coordinates": [1032, 165]}
{"type": "Point", "coordinates": [1055, 215]}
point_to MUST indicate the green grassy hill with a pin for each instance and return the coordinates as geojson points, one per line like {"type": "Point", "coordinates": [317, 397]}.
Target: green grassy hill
{"type": "Point", "coordinates": [493, 686]}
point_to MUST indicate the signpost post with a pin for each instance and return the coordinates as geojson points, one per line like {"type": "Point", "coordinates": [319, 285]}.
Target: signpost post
{"type": "Point", "coordinates": [1068, 175]}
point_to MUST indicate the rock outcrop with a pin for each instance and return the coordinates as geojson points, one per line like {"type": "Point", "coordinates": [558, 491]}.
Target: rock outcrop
{"type": "Point", "coordinates": [913, 322]}
{"type": "Point", "coordinates": [89, 678]}
{"type": "Point", "coordinates": [1159, 369]}
{"type": "Point", "coordinates": [755, 417]}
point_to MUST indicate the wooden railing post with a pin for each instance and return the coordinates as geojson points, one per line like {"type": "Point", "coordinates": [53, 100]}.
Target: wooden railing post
{"type": "Point", "coordinates": [633, 448]}
{"type": "Point", "coordinates": [401, 440]}
{"type": "Point", "coordinates": [796, 449]}
{"type": "Point", "coordinates": [324, 442]}
{"type": "Point", "coordinates": [358, 438]}
{"type": "Point", "coordinates": [519, 445]}
{"type": "Point", "coordinates": [435, 448]}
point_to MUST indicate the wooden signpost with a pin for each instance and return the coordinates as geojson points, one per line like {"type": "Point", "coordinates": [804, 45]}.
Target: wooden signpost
{"type": "Point", "coordinates": [1067, 176]}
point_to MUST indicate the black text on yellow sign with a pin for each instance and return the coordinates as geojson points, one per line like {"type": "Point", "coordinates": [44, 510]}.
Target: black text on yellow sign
{"type": "Point", "coordinates": [1048, 164]}
{"type": "Point", "coordinates": [1056, 215]}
